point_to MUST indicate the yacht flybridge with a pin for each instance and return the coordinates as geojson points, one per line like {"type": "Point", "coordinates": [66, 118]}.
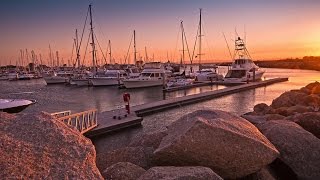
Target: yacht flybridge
{"type": "Point", "coordinates": [243, 69]}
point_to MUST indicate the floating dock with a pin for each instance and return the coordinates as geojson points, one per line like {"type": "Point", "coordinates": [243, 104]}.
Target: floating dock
{"type": "Point", "coordinates": [171, 89]}
{"type": "Point", "coordinates": [106, 122]}
{"type": "Point", "coordinates": [176, 102]}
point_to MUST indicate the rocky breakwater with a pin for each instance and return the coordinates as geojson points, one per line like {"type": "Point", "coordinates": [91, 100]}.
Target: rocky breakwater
{"type": "Point", "coordinates": [205, 144]}
{"type": "Point", "coordinates": [292, 124]}
{"type": "Point", "coordinates": [38, 147]}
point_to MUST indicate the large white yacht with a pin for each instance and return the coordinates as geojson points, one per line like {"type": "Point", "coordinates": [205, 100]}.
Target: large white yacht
{"type": "Point", "coordinates": [153, 74]}
{"type": "Point", "coordinates": [110, 77]}
{"type": "Point", "coordinates": [243, 69]}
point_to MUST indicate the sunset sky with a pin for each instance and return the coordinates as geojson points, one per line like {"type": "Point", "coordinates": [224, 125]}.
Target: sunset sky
{"type": "Point", "coordinates": [274, 28]}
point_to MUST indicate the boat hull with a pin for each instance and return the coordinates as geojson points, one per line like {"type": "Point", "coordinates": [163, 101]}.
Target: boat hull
{"type": "Point", "coordinates": [244, 79]}
{"type": "Point", "coordinates": [81, 82]}
{"type": "Point", "coordinates": [142, 83]}
{"type": "Point", "coordinates": [56, 80]}
{"type": "Point", "coordinates": [105, 81]}
{"type": "Point", "coordinates": [206, 78]}
{"type": "Point", "coordinates": [15, 106]}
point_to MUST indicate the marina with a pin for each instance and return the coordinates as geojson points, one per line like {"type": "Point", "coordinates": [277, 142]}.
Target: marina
{"type": "Point", "coordinates": [159, 90]}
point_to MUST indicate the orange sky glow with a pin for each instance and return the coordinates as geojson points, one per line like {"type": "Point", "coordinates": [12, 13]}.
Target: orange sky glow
{"type": "Point", "coordinates": [274, 30]}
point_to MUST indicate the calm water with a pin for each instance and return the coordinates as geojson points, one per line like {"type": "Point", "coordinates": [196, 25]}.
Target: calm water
{"type": "Point", "coordinates": [55, 98]}
{"type": "Point", "coordinates": [61, 97]}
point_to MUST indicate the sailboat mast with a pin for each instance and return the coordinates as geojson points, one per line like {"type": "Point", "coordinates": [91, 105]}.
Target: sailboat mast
{"type": "Point", "coordinates": [57, 56]}
{"type": "Point", "coordinates": [50, 56]}
{"type": "Point", "coordinates": [145, 49]}
{"type": "Point", "coordinates": [92, 41]}
{"type": "Point", "coordinates": [110, 51]}
{"type": "Point", "coordinates": [200, 40]}
{"type": "Point", "coordinates": [21, 56]}
{"type": "Point", "coordinates": [182, 59]}
{"type": "Point", "coordinates": [134, 45]}
{"type": "Point", "coordinates": [77, 49]}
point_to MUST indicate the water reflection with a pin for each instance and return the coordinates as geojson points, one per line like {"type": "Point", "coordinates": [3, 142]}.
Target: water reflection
{"type": "Point", "coordinates": [60, 97]}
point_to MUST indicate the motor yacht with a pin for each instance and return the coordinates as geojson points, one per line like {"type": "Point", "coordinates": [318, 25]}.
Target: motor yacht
{"type": "Point", "coordinates": [110, 77]}
{"type": "Point", "coordinates": [153, 74]}
{"type": "Point", "coordinates": [60, 77]}
{"type": "Point", "coordinates": [243, 69]}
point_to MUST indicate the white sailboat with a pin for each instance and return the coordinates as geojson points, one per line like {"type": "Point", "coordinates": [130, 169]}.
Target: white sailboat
{"type": "Point", "coordinates": [208, 74]}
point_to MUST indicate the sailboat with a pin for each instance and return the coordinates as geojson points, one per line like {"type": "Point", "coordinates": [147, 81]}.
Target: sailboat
{"type": "Point", "coordinates": [243, 69]}
{"type": "Point", "coordinates": [207, 74]}
{"type": "Point", "coordinates": [181, 80]}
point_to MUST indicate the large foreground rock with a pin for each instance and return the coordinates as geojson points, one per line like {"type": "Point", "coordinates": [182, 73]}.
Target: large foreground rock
{"type": "Point", "coordinates": [289, 98]}
{"type": "Point", "coordinates": [37, 147]}
{"type": "Point", "coordinates": [136, 155]}
{"type": "Point", "coordinates": [299, 149]}
{"type": "Point", "coordinates": [123, 171]}
{"type": "Point", "coordinates": [151, 139]}
{"type": "Point", "coordinates": [231, 146]}
{"type": "Point", "coordinates": [310, 121]}
{"type": "Point", "coordinates": [180, 173]}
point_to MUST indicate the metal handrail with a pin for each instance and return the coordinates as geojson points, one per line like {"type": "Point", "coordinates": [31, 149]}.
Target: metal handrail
{"type": "Point", "coordinates": [61, 114]}
{"type": "Point", "coordinates": [83, 121]}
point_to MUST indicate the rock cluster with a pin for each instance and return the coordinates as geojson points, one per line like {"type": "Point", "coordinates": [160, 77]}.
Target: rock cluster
{"type": "Point", "coordinates": [38, 147]}
{"type": "Point", "coordinates": [206, 144]}
{"type": "Point", "coordinates": [292, 124]}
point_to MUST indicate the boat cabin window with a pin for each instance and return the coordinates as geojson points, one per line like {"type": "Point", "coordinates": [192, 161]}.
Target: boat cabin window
{"type": "Point", "coordinates": [240, 61]}
{"type": "Point", "coordinates": [112, 74]}
{"type": "Point", "coordinates": [146, 74]}
{"type": "Point", "coordinates": [236, 74]}
{"type": "Point", "coordinates": [156, 75]}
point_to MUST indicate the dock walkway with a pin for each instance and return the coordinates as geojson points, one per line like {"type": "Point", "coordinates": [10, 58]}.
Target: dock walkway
{"type": "Point", "coordinates": [174, 102]}
{"type": "Point", "coordinates": [108, 124]}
